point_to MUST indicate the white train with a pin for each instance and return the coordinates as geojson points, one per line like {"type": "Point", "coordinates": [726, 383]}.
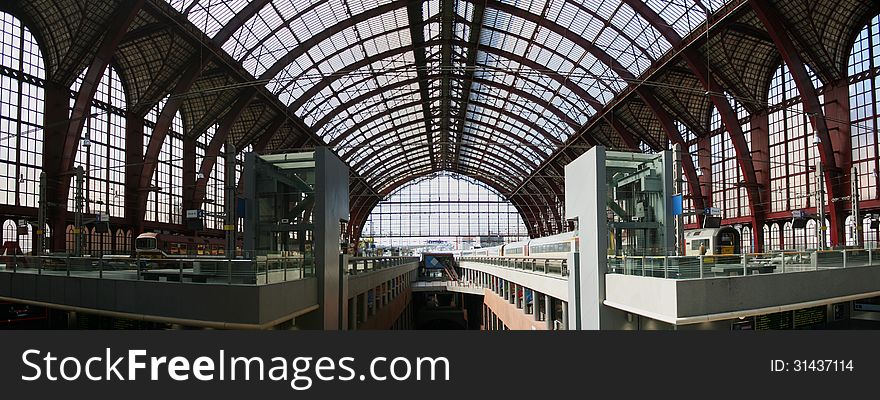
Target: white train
{"type": "Point", "coordinates": [714, 241]}
{"type": "Point", "coordinates": [556, 246]}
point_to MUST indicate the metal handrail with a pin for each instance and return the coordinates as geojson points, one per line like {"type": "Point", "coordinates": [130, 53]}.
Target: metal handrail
{"type": "Point", "coordinates": [698, 267]}
{"type": "Point", "coordinates": [211, 270]}
{"type": "Point", "coordinates": [360, 265]}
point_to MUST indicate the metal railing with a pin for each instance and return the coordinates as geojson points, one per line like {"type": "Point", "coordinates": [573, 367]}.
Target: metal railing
{"type": "Point", "coordinates": [549, 266]}
{"type": "Point", "coordinates": [707, 266]}
{"type": "Point", "coordinates": [361, 265]}
{"type": "Point", "coordinates": [259, 271]}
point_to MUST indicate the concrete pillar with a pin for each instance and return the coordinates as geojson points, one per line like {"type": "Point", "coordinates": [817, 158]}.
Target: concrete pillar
{"type": "Point", "coordinates": [548, 312]}
{"type": "Point", "coordinates": [353, 314]}
{"type": "Point", "coordinates": [363, 306]}
{"type": "Point", "coordinates": [380, 299]}
{"type": "Point", "coordinates": [514, 291]}
{"type": "Point", "coordinates": [564, 315]}
{"type": "Point", "coordinates": [517, 292]}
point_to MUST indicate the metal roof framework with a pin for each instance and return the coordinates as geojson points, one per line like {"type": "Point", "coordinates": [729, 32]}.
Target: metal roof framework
{"type": "Point", "coordinates": [504, 91]}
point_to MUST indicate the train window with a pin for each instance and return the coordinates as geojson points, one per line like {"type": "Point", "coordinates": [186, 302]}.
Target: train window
{"type": "Point", "coordinates": [201, 249]}
{"type": "Point", "coordinates": [172, 248]}
{"type": "Point", "coordinates": [516, 250]}
{"type": "Point", "coordinates": [695, 244]}
{"type": "Point", "coordinates": [563, 247]}
{"type": "Point", "coordinates": [726, 239]}
{"type": "Point", "coordinates": [145, 243]}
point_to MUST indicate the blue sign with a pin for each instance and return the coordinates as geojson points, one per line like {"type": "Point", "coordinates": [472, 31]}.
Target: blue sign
{"type": "Point", "coordinates": [677, 205]}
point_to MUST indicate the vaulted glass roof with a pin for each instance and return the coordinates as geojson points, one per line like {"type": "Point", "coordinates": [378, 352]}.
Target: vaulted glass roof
{"type": "Point", "coordinates": [401, 87]}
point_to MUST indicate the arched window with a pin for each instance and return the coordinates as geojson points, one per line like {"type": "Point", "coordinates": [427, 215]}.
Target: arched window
{"type": "Point", "coordinates": [23, 236]}
{"type": "Point", "coordinates": [21, 114]}
{"type": "Point", "coordinates": [793, 154]}
{"type": "Point", "coordinates": [214, 190]}
{"type": "Point", "coordinates": [872, 234]}
{"type": "Point", "coordinates": [165, 198]}
{"type": "Point", "coordinates": [120, 242]}
{"type": "Point", "coordinates": [102, 148]}
{"type": "Point", "coordinates": [812, 242]}
{"type": "Point", "coordinates": [864, 61]}
{"type": "Point", "coordinates": [445, 209]}
{"type": "Point", "coordinates": [70, 239]}
{"type": "Point", "coordinates": [775, 237]}
{"type": "Point", "coordinates": [746, 240]}
{"type": "Point", "coordinates": [849, 231]}
{"type": "Point", "coordinates": [788, 237]}
{"type": "Point", "coordinates": [728, 194]}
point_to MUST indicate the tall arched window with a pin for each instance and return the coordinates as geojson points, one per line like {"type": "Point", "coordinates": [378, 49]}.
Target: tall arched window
{"type": "Point", "coordinates": [727, 192]}
{"type": "Point", "coordinates": [788, 239]}
{"type": "Point", "coordinates": [165, 198]}
{"type": "Point", "coordinates": [872, 233]}
{"type": "Point", "coordinates": [21, 113]}
{"type": "Point", "coordinates": [775, 237]}
{"type": "Point", "coordinates": [70, 238]}
{"type": "Point", "coordinates": [102, 148]}
{"type": "Point", "coordinates": [793, 154]}
{"type": "Point", "coordinates": [812, 242]}
{"type": "Point", "coordinates": [746, 240]}
{"type": "Point", "coordinates": [120, 242]}
{"type": "Point", "coordinates": [449, 209]}
{"type": "Point", "coordinates": [864, 61]}
{"type": "Point", "coordinates": [214, 190]}
{"type": "Point", "coordinates": [850, 231]}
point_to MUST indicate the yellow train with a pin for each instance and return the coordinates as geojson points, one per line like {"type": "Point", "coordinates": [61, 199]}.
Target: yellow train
{"type": "Point", "coordinates": [712, 241]}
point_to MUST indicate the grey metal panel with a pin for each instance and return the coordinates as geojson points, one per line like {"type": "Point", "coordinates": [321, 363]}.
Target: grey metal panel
{"type": "Point", "coordinates": [72, 290]}
{"type": "Point", "coordinates": [124, 296]}
{"type": "Point", "coordinates": [55, 289]}
{"type": "Point", "coordinates": [24, 285]}
{"type": "Point", "coordinates": [219, 303]}
{"type": "Point", "coordinates": [278, 300]}
{"type": "Point", "coordinates": [331, 206]}
{"type": "Point", "coordinates": [721, 295]}
{"type": "Point", "coordinates": [88, 292]}
{"type": "Point", "coordinates": [585, 199]}
{"type": "Point", "coordinates": [6, 283]}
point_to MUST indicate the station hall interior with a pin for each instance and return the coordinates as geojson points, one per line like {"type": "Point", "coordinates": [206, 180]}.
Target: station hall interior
{"type": "Point", "coordinates": [440, 164]}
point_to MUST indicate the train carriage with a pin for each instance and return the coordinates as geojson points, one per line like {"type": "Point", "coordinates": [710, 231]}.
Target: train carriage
{"type": "Point", "coordinates": [163, 246]}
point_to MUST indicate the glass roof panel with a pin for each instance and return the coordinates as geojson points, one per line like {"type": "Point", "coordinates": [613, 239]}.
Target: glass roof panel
{"type": "Point", "coordinates": [210, 15]}
{"type": "Point", "coordinates": [534, 84]}
{"type": "Point", "coordinates": [683, 15]}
